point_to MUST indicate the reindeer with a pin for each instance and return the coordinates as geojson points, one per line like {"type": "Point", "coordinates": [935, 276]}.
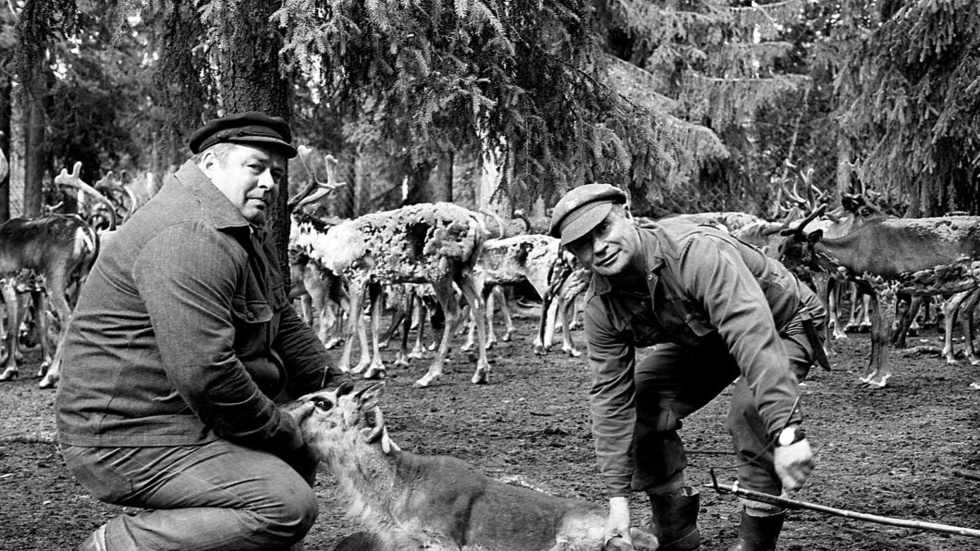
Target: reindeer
{"type": "Point", "coordinates": [58, 250]}
{"type": "Point", "coordinates": [427, 243]}
{"type": "Point", "coordinates": [885, 256]}
{"type": "Point", "coordinates": [409, 502]}
{"type": "Point", "coordinates": [514, 260]}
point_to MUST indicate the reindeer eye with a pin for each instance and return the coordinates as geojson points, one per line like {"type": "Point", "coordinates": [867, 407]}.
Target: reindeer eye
{"type": "Point", "coordinates": [322, 404]}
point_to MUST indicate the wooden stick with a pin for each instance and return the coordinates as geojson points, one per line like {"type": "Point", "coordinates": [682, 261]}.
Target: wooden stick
{"type": "Point", "coordinates": [972, 475]}
{"type": "Point", "coordinates": [795, 504]}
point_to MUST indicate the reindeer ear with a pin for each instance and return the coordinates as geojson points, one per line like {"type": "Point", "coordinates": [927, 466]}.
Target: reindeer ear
{"type": "Point", "coordinates": [345, 388]}
{"type": "Point", "coordinates": [369, 397]}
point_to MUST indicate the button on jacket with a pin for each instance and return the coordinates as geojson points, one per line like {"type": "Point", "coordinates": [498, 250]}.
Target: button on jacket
{"type": "Point", "coordinates": [183, 332]}
{"type": "Point", "coordinates": [704, 288]}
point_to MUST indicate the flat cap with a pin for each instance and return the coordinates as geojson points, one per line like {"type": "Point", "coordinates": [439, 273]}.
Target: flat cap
{"type": "Point", "coordinates": [582, 209]}
{"type": "Point", "coordinates": [253, 127]}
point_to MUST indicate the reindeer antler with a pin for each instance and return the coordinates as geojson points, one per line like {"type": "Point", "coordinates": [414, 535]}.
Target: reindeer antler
{"type": "Point", "coordinates": [307, 195]}
{"type": "Point", "coordinates": [74, 180]}
{"type": "Point", "coordinates": [798, 230]}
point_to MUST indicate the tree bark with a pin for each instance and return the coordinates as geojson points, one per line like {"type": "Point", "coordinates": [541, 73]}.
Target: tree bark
{"type": "Point", "coordinates": [6, 112]}
{"type": "Point", "coordinates": [251, 81]}
{"type": "Point", "coordinates": [34, 156]}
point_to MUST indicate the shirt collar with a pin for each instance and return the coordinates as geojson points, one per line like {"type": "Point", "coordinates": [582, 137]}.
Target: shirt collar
{"type": "Point", "coordinates": [221, 210]}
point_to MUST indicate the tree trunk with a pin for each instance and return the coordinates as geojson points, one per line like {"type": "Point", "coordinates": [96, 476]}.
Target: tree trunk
{"type": "Point", "coordinates": [6, 112]}
{"type": "Point", "coordinates": [33, 158]}
{"type": "Point", "coordinates": [251, 81]}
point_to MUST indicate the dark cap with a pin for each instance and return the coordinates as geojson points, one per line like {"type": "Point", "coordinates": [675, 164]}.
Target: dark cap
{"type": "Point", "coordinates": [582, 209]}
{"type": "Point", "coordinates": [254, 128]}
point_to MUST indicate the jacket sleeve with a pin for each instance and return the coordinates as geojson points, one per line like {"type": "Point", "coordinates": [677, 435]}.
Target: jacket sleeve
{"type": "Point", "coordinates": [611, 359]}
{"type": "Point", "coordinates": [308, 363]}
{"type": "Point", "coordinates": [187, 277]}
{"type": "Point", "coordinates": [715, 276]}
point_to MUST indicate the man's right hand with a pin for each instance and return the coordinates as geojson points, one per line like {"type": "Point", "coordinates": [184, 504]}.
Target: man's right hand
{"type": "Point", "coordinates": [618, 523]}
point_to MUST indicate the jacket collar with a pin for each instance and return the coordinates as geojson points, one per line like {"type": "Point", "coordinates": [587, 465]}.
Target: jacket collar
{"type": "Point", "coordinates": [653, 259]}
{"type": "Point", "coordinates": [222, 212]}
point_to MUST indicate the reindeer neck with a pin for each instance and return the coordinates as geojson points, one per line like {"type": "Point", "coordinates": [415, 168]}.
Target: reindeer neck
{"type": "Point", "coordinates": [368, 477]}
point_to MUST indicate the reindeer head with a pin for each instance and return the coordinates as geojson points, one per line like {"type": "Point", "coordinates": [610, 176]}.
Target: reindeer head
{"type": "Point", "coordinates": [796, 250]}
{"type": "Point", "coordinates": [338, 418]}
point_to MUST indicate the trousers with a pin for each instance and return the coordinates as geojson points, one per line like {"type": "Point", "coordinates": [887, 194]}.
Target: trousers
{"type": "Point", "coordinates": [673, 382]}
{"type": "Point", "coordinates": [216, 497]}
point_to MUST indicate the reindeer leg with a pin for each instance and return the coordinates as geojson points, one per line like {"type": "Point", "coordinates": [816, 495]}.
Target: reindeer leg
{"type": "Point", "coordinates": [905, 314]}
{"type": "Point", "coordinates": [539, 348]}
{"type": "Point", "coordinates": [505, 312]}
{"type": "Point", "coordinates": [362, 339]}
{"type": "Point", "coordinates": [376, 370]}
{"type": "Point", "coordinates": [968, 308]}
{"type": "Point", "coordinates": [10, 370]}
{"type": "Point", "coordinates": [450, 308]}
{"type": "Point", "coordinates": [422, 312]}
{"type": "Point", "coordinates": [408, 303]}
{"type": "Point", "coordinates": [882, 306]}
{"type": "Point", "coordinates": [567, 309]}
{"type": "Point", "coordinates": [475, 298]}
{"type": "Point", "coordinates": [832, 297]}
{"type": "Point", "coordinates": [64, 314]}
{"type": "Point", "coordinates": [951, 307]}
{"type": "Point", "coordinates": [354, 314]}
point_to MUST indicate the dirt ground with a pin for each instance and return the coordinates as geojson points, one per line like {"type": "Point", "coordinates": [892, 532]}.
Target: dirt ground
{"type": "Point", "coordinates": [894, 452]}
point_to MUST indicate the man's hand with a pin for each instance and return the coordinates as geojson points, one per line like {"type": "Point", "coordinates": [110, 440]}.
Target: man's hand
{"type": "Point", "coordinates": [618, 523]}
{"type": "Point", "coordinates": [794, 463]}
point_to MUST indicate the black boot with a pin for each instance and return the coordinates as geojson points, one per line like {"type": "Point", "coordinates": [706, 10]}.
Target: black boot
{"type": "Point", "coordinates": [758, 533]}
{"type": "Point", "coordinates": [675, 520]}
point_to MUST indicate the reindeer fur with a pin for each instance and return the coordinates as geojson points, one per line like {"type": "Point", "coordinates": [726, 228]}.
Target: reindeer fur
{"type": "Point", "coordinates": [439, 503]}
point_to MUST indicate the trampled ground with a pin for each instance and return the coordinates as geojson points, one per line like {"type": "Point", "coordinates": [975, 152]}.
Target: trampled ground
{"type": "Point", "coordinates": [892, 452]}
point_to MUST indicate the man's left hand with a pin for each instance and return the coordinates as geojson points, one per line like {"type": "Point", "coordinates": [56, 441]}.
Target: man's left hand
{"type": "Point", "coordinates": [794, 463]}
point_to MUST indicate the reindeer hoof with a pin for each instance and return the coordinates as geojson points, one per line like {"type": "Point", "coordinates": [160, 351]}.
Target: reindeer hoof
{"type": "Point", "coordinates": [573, 352]}
{"type": "Point", "coordinates": [481, 377]}
{"type": "Point", "coordinates": [424, 382]}
{"type": "Point", "coordinates": [47, 383]}
{"type": "Point", "coordinates": [490, 345]}
{"type": "Point", "coordinates": [9, 375]}
{"type": "Point", "coordinates": [975, 386]}
{"type": "Point", "coordinates": [374, 372]}
{"type": "Point", "coordinates": [506, 337]}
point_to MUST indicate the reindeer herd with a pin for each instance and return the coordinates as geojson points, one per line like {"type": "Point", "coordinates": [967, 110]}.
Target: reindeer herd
{"type": "Point", "coordinates": [438, 263]}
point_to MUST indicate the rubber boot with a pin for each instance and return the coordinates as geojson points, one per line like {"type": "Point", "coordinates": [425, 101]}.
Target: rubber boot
{"type": "Point", "coordinates": [758, 533]}
{"type": "Point", "coordinates": [94, 542]}
{"type": "Point", "coordinates": [675, 520]}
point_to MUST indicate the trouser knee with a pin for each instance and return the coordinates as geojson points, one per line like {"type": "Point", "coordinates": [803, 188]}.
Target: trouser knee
{"type": "Point", "coordinates": [289, 520]}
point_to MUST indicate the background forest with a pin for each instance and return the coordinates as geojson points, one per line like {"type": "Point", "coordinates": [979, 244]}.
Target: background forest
{"type": "Point", "coordinates": [693, 105]}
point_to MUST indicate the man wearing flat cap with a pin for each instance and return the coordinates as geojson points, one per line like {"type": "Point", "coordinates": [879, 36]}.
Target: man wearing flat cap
{"type": "Point", "coordinates": [719, 311]}
{"type": "Point", "coordinates": [181, 346]}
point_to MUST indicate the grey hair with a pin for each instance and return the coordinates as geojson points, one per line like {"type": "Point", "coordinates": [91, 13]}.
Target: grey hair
{"type": "Point", "coordinates": [221, 150]}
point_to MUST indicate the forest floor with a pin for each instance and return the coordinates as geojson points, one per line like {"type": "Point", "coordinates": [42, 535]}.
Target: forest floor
{"type": "Point", "coordinates": [897, 452]}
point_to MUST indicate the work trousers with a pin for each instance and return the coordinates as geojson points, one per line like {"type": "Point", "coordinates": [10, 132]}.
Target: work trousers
{"type": "Point", "coordinates": [216, 497]}
{"type": "Point", "coordinates": [672, 382]}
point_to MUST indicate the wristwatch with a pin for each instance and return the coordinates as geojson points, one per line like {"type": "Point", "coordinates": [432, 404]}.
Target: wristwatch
{"type": "Point", "coordinates": [790, 435]}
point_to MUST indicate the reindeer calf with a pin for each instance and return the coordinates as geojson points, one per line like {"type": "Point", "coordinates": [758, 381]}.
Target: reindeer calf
{"type": "Point", "coordinates": [413, 502]}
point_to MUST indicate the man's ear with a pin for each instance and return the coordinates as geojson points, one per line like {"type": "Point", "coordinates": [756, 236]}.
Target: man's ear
{"type": "Point", "coordinates": [208, 162]}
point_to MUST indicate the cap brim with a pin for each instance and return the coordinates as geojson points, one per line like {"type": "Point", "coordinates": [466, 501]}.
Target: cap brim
{"type": "Point", "coordinates": [582, 221]}
{"type": "Point", "coordinates": [286, 149]}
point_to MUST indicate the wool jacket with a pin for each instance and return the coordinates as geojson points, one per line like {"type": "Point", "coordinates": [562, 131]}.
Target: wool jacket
{"type": "Point", "coordinates": [704, 288]}
{"type": "Point", "coordinates": [183, 332]}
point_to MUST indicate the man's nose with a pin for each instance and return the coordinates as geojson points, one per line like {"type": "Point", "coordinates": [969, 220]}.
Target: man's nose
{"type": "Point", "coordinates": [266, 181]}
